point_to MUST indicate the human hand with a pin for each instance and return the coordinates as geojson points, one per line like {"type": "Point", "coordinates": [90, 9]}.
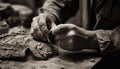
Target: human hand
{"type": "Point", "coordinates": [73, 38]}
{"type": "Point", "coordinates": [40, 27]}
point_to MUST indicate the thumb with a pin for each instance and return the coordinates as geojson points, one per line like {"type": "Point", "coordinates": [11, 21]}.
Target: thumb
{"type": "Point", "coordinates": [62, 28]}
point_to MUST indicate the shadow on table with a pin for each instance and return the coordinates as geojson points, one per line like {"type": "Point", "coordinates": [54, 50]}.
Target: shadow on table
{"type": "Point", "coordinates": [109, 62]}
{"type": "Point", "coordinates": [78, 57]}
{"type": "Point", "coordinates": [19, 59]}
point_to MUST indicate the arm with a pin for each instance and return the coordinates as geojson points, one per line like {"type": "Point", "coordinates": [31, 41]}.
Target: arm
{"type": "Point", "coordinates": [53, 12]}
{"type": "Point", "coordinates": [109, 40]}
{"type": "Point", "coordinates": [60, 10]}
{"type": "Point", "coordinates": [73, 38]}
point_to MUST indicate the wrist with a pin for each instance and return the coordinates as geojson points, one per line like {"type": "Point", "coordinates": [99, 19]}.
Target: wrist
{"type": "Point", "coordinates": [91, 34]}
{"type": "Point", "coordinates": [92, 40]}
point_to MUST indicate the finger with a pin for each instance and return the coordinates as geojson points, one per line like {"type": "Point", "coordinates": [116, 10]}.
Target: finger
{"type": "Point", "coordinates": [32, 32]}
{"type": "Point", "coordinates": [43, 26]}
{"type": "Point", "coordinates": [40, 35]}
{"type": "Point", "coordinates": [62, 28]}
{"type": "Point", "coordinates": [66, 35]}
{"type": "Point", "coordinates": [35, 29]}
{"type": "Point", "coordinates": [39, 22]}
{"type": "Point", "coordinates": [34, 20]}
{"type": "Point", "coordinates": [44, 29]}
{"type": "Point", "coordinates": [35, 23]}
{"type": "Point", "coordinates": [35, 35]}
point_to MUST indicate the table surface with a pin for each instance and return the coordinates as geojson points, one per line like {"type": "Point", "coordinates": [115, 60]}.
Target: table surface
{"type": "Point", "coordinates": [52, 63]}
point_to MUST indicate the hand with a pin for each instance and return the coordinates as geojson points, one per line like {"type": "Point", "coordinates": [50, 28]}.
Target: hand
{"type": "Point", "coordinates": [40, 27]}
{"type": "Point", "coordinates": [72, 37]}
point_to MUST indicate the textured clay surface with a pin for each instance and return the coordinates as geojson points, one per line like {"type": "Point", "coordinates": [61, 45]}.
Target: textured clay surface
{"type": "Point", "coordinates": [18, 40]}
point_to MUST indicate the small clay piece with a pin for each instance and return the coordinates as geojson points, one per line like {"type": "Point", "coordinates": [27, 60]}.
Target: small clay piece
{"type": "Point", "coordinates": [15, 43]}
{"type": "Point", "coordinates": [92, 60]}
{"type": "Point", "coordinates": [43, 50]}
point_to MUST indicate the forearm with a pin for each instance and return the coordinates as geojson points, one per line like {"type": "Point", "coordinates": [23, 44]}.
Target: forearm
{"type": "Point", "coordinates": [59, 10]}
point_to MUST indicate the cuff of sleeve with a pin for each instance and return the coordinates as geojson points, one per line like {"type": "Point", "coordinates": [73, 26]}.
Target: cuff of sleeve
{"type": "Point", "coordinates": [51, 14]}
{"type": "Point", "coordinates": [115, 37]}
{"type": "Point", "coordinates": [104, 41]}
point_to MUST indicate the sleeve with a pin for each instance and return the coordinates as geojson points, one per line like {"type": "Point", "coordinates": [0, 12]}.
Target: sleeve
{"type": "Point", "coordinates": [108, 40]}
{"type": "Point", "coordinates": [60, 10]}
